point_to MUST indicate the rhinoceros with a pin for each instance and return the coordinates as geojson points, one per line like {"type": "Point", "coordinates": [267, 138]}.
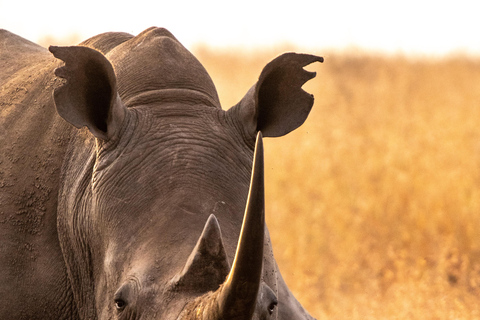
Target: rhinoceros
{"type": "Point", "coordinates": [127, 192]}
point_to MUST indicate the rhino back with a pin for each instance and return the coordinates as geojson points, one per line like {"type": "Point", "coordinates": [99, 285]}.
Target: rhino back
{"type": "Point", "coordinates": [33, 138]}
{"type": "Point", "coordinates": [106, 41]}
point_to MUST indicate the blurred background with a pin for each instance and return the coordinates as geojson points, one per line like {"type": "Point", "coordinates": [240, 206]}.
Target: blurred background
{"type": "Point", "coordinates": [373, 205]}
{"type": "Point", "coordinates": [410, 26]}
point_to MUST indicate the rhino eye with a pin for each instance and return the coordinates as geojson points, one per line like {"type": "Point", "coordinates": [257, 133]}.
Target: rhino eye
{"type": "Point", "coordinates": [271, 307]}
{"type": "Point", "coordinates": [120, 304]}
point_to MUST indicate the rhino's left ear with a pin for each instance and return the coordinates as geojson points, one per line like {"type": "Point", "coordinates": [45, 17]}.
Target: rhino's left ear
{"type": "Point", "coordinates": [277, 104]}
{"type": "Point", "coordinates": [89, 97]}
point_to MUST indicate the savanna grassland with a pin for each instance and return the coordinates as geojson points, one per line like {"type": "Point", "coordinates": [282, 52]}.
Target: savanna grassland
{"type": "Point", "coordinates": [373, 205]}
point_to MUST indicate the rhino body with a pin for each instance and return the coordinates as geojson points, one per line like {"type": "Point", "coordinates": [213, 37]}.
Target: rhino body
{"type": "Point", "coordinates": [122, 195]}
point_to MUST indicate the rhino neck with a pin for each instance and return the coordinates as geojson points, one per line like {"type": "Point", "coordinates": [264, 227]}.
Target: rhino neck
{"type": "Point", "coordinates": [72, 219]}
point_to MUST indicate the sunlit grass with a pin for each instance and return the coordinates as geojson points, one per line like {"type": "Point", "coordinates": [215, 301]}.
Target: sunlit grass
{"type": "Point", "coordinates": [374, 204]}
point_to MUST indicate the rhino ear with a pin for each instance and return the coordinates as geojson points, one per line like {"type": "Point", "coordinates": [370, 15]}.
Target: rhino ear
{"type": "Point", "coordinates": [277, 104]}
{"type": "Point", "coordinates": [207, 266]}
{"type": "Point", "coordinates": [89, 97]}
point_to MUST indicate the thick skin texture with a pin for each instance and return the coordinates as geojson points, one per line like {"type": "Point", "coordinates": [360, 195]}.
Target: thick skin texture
{"type": "Point", "coordinates": [33, 140]}
{"type": "Point", "coordinates": [106, 186]}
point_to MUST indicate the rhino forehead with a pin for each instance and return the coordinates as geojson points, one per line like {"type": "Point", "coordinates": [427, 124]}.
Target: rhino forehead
{"type": "Point", "coordinates": [191, 153]}
{"type": "Point", "coordinates": [154, 60]}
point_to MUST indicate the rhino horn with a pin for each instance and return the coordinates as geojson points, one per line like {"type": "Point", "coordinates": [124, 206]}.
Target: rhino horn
{"type": "Point", "coordinates": [238, 294]}
{"type": "Point", "coordinates": [207, 266]}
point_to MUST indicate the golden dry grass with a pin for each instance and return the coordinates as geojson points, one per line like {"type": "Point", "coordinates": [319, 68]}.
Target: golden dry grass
{"type": "Point", "coordinates": [374, 204]}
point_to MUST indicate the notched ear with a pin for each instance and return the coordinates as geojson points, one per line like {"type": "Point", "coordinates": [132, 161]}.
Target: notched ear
{"type": "Point", "coordinates": [207, 266]}
{"type": "Point", "coordinates": [277, 104]}
{"type": "Point", "coordinates": [89, 97]}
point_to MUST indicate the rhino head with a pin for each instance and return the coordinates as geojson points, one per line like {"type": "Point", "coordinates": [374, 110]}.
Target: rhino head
{"type": "Point", "coordinates": [161, 208]}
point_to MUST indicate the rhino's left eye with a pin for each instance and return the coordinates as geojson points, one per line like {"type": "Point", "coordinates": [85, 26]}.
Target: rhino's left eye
{"type": "Point", "coordinates": [120, 304]}
{"type": "Point", "coordinates": [123, 296]}
{"type": "Point", "coordinates": [271, 307]}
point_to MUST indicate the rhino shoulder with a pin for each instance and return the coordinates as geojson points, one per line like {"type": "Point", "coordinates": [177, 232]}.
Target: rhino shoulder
{"type": "Point", "coordinates": [11, 42]}
{"type": "Point", "coordinates": [17, 53]}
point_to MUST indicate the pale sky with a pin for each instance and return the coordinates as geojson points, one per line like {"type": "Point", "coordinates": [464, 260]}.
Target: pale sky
{"type": "Point", "coordinates": [408, 26]}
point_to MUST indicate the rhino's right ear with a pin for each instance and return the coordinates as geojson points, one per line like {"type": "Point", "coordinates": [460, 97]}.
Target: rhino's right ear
{"type": "Point", "coordinates": [89, 97]}
{"type": "Point", "coordinates": [277, 104]}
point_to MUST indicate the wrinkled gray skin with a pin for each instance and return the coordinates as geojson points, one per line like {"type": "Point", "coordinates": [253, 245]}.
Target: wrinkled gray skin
{"type": "Point", "coordinates": [106, 188]}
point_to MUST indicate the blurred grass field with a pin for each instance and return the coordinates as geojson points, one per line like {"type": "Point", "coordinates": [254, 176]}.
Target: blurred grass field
{"type": "Point", "coordinates": [373, 205]}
